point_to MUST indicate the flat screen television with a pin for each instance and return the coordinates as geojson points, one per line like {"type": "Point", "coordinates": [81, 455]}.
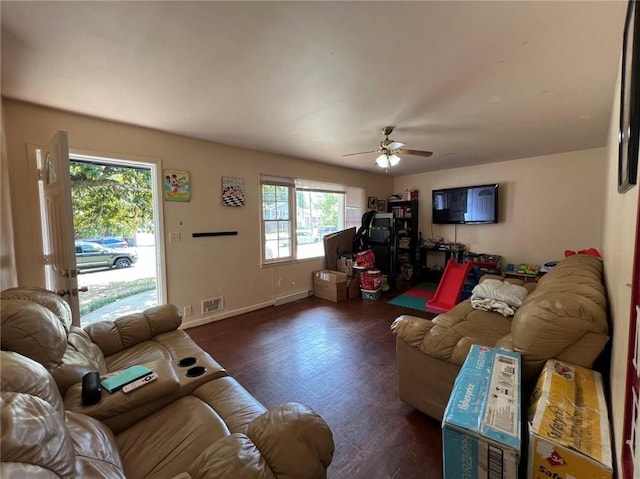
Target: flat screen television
{"type": "Point", "coordinates": [473, 205]}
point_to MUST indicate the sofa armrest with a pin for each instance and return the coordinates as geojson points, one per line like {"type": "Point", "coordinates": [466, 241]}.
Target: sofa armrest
{"type": "Point", "coordinates": [131, 329]}
{"type": "Point", "coordinates": [290, 440]}
{"type": "Point", "coordinates": [117, 403]}
{"type": "Point", "coordinates": [411, 329]}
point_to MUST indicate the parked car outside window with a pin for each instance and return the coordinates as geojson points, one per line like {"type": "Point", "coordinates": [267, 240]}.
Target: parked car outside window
{"type": "Point", "coordinates": [304, 237]}
{"type": "Point", "coordinates": [109, 241]}
{"type": "Point", "coordinates": [93, 255]}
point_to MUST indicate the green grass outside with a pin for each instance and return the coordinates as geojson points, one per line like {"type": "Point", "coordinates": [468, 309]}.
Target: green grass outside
{"type": "Point", "coordinates": [103, 294]}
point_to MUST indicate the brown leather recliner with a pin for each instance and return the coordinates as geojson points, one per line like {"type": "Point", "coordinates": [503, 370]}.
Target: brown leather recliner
{"type": "Point", "coordinates": [37, 323]}
{"type": "Point", "coordinates": [208, 425]}
{"type": "Point", "coordinates": [564, 317]}
{"type": "Point", "coordinates": [218, 431]}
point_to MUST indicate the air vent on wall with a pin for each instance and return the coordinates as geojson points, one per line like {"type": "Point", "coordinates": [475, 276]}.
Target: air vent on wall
{"type": "Point", "coordinates": [213, 304]}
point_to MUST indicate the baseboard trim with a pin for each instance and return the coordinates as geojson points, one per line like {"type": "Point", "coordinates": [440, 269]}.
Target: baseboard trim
{"type": "Point", "coordinates": [225, 315]}
{"type": "Point", "coordinates": [289, 298]}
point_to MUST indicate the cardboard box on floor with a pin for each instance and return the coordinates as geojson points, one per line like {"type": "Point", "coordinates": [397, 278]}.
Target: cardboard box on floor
{"type": "Point", "coordinates": [345, 265]}
{"type": "Point", "coordinates": [335, 245]}
{"type": "Point", "coordinates": [331, 285]}
{"type": "Point", "coordinates": [481, 424]}
{"type": "Point", "coordinates": [569, 432]}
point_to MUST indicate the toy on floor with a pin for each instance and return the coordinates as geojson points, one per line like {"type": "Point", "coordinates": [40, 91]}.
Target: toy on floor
{"type": "Point", "coordinates": [450, 286]}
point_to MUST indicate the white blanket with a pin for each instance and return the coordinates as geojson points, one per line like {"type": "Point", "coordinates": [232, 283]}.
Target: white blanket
{"type": "Point", "coordinates": [495, 295]}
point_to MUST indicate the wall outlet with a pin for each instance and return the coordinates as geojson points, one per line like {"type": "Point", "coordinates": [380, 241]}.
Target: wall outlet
{"type": "Point", "coordinates": [187, 311]}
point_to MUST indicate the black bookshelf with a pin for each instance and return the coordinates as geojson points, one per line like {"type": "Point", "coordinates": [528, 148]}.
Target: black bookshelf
{"type": "Point", "coordinates": [406, 252]}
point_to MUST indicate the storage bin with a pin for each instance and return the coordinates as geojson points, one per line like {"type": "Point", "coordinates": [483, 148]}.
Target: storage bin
{"type": "Point", "coordinates": [371, 280]}
{"type": "Point", "coordinates": [365, 259]}
{"type": "Point", "coordinates": [368, 294]}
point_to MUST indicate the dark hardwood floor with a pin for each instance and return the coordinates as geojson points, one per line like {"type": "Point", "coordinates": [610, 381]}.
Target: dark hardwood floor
{"type": "Point", "coordinates": [338, 359]}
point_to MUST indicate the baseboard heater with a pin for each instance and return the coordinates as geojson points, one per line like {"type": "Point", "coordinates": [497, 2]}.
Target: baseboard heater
{"type": "Point", "coordinates": [291, 297]}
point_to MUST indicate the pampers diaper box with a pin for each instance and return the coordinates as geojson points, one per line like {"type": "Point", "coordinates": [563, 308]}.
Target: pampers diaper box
{"type": "Point", "coordinates": [482, 420]}
{"type": "Point", "coordinates": [569, 435]}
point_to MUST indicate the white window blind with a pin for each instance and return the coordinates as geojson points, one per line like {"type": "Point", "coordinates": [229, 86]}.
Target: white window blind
{"type": "Point", "coordinates": [356, 204]}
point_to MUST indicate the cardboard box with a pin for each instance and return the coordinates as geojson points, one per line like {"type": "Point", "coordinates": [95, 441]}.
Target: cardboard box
{"type": "Point", "coordinates": [335, 245]}
{"type": "Point", "coordinates": [568, 425]}
{"type": "Point", "coordinates": [331, 285]}
{"type": "Point", "coordinates": [345, 265]}
{"type": "Point", "coordinates": [353, 287]}
{"type": "Point", "coordinates": [482, 420]}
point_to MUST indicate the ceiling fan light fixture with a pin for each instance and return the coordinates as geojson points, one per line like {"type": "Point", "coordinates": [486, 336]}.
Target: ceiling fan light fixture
{"type": "Point", "coordinates": [383, 161]}
{"type": "Point", "coordinates": [394, 159]}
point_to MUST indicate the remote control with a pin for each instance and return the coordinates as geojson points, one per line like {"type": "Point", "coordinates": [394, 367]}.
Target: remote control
{"type": "Point", "coordinates": [139, 383]}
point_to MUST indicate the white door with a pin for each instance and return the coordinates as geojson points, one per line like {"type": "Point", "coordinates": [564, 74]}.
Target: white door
{"type": "Point", "coordinates": [57, 221]}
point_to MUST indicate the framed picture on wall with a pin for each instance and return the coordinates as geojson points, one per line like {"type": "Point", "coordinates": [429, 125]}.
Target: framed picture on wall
{"type": "Point", "coordinates": [372, 203]}
{"type": "Point", "coordinates": [382, 206]}
{"type": "Point", "coordinates": [232, 191]}
{"type": "Point", "coordinates": [177, 186]}
{"type": "Point", "coordinates": [629, 102]}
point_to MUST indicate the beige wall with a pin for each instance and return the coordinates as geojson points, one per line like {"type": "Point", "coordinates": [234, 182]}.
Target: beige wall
{"type": "Point", "coordinates": [618, 247]}
{"type": "Point", "coordinates": [197, 268]}
{"type": "Point", "coordinates": [547, 204]}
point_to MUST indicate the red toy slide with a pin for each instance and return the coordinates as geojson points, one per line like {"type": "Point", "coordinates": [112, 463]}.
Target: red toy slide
{"type": "Point", "coordinates": [450, 286]}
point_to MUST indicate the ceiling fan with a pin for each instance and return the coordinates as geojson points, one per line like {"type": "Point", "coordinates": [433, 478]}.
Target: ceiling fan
{"type": "Point", "coordinates": [389, 151]}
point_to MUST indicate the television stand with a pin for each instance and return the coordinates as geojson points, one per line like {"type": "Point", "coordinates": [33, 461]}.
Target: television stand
{"type": "Point", "coordinates": [429, 255]}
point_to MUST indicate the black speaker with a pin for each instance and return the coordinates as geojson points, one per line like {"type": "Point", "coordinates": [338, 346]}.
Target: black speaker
{"type": "Point", "coordinates": [91, 388]}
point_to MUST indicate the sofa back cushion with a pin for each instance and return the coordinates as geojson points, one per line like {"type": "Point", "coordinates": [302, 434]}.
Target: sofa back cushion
{"type": "Point", "coordinates": [33, 331]}
{"type": "Point", "coordinates": [128, 330]}
{"type": "Point", "coordinates": [19, 374]}
{"type": "Point", "coordinates": [48, 299]}
{"type": "Point", "coordinates": [37, 323]}
{"type": "Point", "coordinates": [80, 357]}
{"type": "Point", "coordinates": [566, 315]}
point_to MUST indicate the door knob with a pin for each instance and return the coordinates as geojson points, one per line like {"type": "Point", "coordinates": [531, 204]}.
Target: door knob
{"type": "Point", "coordinates": [65, 292]}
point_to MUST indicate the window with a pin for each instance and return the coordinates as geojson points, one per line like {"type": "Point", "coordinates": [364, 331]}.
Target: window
{"type": "Point", "coordinates": [296, 214]}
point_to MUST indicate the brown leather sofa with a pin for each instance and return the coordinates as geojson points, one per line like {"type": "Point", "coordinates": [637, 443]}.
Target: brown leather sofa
{"type": "Point", "coordinates": [207, 426]}
{"type": "Point", "coordinates": [564, 317]}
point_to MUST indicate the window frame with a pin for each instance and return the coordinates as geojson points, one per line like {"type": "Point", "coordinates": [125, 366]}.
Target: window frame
{"type": "Point", "coordinates": [352, 200]}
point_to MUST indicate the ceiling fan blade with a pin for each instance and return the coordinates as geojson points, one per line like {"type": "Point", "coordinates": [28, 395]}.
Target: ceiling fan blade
{"type": "Point", "coordinates": [391, 145]}
{"type": "Point", "coordinates": [404, 151]}
{"type": "Point", "coordinates": [362, 153]}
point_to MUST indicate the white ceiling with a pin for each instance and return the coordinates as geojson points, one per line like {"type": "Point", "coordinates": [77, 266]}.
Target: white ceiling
{"type": "Point", "coordinates": [475, 82]}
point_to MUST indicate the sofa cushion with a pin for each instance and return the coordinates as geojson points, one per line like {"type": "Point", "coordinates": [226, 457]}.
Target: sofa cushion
{"type": "Point", "coordinates": [33, 331]}
{"type": "Point", "coordinates": [234, 456]}
{"type": "Point", "coordinates": [45, 298]}
{"type": "Point", "coordinates": [171, 439]}
{"type": "Point", "coordinates": [131, 329]}
{"type": "Point", "coordinates": [454, 332]}
{"type": "Point", "coordinates": [94, 447]}
{"type": "Point", "coordinates": [231, 401]}
{"type": "Point", "coordinates": [20, 374]}
{"type": "Point", "coordinates": [34, 434]}
{"type": "Point", "coordinates": [168, 346]}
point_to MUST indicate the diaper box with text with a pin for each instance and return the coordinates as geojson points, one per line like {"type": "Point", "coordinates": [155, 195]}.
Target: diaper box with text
{"type": "Point", "coordinates": [481, 436]}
